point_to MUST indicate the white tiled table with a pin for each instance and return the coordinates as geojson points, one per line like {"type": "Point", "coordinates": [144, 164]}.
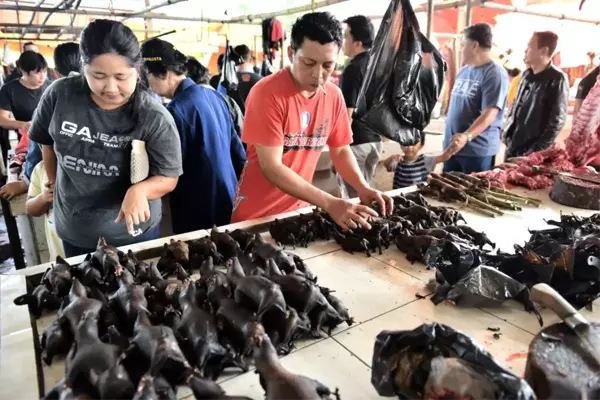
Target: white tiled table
{"type": "Point", "coordinates": [380, 294]}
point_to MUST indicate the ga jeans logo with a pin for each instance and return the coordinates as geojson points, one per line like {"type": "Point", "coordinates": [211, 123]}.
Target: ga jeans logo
{"type": "Point", "coordinates": [69, 129]}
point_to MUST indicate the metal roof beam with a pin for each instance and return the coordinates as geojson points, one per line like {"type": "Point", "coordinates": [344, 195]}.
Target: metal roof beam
{"type": "Point", "coordinates": [8, 7]}
{"type": "Point", "coordinates": [151, 8]}
{"type": "Point", "coordinates": [502, 7]}
{"type": "Point", "coordinates": [55, 28]}
{"type": "Point", "coordinates": [287, 11]}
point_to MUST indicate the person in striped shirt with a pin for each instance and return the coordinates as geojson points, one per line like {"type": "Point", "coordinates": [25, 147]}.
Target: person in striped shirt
{"type": "Point", "coordinates": [411, 167]}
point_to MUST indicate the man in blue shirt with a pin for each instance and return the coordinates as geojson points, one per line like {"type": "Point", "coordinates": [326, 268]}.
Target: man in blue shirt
{"type": "Point", "coordinates": [477, 105]}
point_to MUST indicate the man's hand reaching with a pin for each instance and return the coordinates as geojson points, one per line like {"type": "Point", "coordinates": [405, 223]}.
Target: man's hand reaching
{"type": "Point", "coordinates": [369, 195]}
{"type": "Point", "coordinates": [349, 215]}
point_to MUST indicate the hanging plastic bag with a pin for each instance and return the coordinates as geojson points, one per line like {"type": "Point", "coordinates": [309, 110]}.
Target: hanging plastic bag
{"type": "Point", "coordinates": [418, 363]}
{"type": "Point", "coordinates": [229, 81]}
{"type": "Point", "coordinates": [398, 94]}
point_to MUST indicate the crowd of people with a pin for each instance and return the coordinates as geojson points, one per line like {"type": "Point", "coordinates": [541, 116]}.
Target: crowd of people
{"type": "Point", "coordinates": [235, 155]}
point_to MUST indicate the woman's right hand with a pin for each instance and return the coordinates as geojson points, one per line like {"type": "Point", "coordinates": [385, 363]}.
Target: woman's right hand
{"type": "Point", "coordinates": [135, 208]}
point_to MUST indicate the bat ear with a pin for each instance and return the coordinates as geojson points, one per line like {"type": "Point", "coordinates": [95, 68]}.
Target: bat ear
{"type": "Point", "coordinates": [22, 300]}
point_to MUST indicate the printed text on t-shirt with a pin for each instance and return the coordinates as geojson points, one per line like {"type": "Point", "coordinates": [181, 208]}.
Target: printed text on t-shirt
{"type": "Point", "coordinates": [115, 141]}
{"type": "Point", "coordinates": [304, 141]}
{"type": "Point", "coordinates": [466, 87]}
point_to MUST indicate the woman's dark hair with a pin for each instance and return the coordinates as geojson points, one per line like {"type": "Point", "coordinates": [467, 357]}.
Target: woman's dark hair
{"type": "Point", "coordinates": [480, 33]}
{"type": "Point", "coordinates": [30, 61]}
{"type": "Point", "coordinates": [67, 58]}
{"type": "Point", "coordinates": [161, 56]}
{"type": "Point", "coordinates": [104, 36]}
{"type": "Point", "coordinates": [197, 72]}
{"type": "Point", "coordinates": [320, 27]}
{"type": "Point", "coordinates": [361, 30]}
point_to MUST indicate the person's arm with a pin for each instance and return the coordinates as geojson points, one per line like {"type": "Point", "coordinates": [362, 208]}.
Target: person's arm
{"type": "Point", "coordinates": [447, 154]}
{"type": "Point", "coordinates": [182, 129]}
{"type": "Point", "coordinates": [164, 156]}
{"type": "Point", "coordinates": [350, 83]}
{"type": "Point", "coordinates": [7, 122]}
{"type": "Point", "coordinates": [345, 163]}
{"type": "Point", "coordinates": [238, 154]}
{"type": "Point", "coordinates": [392, 161]}
{"type": "Point", "coordinates": [49, 157]}
{"type": "Point", "coordinates": [270, 159]}
{"type": "Point", "coordinates": [558, 100]}
{"type": "Point", "coordinates": [38, 205]}
{"type": "Point", "coordinates": [135, 208]}
{"type": "Point", "coordinates": [487, 117]}
{"type": "Point", "coordinates": [39, 131]}
{"type": "Point", "coordinates": [39, 199]}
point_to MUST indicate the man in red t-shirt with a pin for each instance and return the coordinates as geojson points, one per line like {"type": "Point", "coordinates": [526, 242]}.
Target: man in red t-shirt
{"type": "Point", "coordinates": [290, 117]}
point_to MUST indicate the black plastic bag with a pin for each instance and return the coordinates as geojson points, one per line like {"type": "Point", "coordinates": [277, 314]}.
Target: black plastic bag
{"type": "Point", "coordinates": [452, 260]}
{"type": "Point", "coordinates": [402, 362]}
{"type": "Point", "coordinates": [397, 94]}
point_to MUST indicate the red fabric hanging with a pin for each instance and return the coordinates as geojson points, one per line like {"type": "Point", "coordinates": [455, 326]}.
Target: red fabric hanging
{"type": "Point", "coordinates": [276, 31]}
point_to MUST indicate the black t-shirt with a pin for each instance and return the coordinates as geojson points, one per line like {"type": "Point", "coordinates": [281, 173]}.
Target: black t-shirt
{"type": "Point", "coordinates": [246, 81]}
{"type": "Point", "coordinates": [587, 83]}
{"type": "Point", "coordinates": [19, 100]}
{"type": "Point", "coordinates": [350, 83]}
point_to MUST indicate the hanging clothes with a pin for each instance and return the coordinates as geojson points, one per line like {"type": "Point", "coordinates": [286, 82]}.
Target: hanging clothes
{"type": "Point", "coordinates": [273, 36]}
{"type": "Point", "coordinates": [276, 33]}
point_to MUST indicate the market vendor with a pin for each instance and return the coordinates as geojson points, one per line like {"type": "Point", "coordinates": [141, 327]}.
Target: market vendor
{"type": "Point", "coordinates": [290, 117]}
{"type": "Point", "coordinates": [213, 156]}
{"type": "Point", "coordinates": [85, 124]}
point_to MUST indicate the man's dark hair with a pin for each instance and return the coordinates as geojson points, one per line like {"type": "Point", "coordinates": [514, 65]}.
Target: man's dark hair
{"type": "Point", "coordinates": [547, 39]}
{"type": "Point", "coordinates": [27, 45]}
{"type": "Point", "coordinates": [513, 73]}
{"type": "Point", "coordinates": [67, 58]}
{"type": "Point", "coordinates": [361, 29]}
{"type": "Point", "coordinates": [423, 134]}
{"type": "Point", "coordinates": [320, 27]}
{"type": "Point", "coordinates": [480, 33]}
{"type": "Point", "coordinates": [30, 61]}
{"type": "Point", "coordinates": [243, 51]}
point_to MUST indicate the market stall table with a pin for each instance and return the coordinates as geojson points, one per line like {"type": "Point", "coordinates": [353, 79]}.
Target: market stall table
{"type": "Point", "coordinates": [380, 292]}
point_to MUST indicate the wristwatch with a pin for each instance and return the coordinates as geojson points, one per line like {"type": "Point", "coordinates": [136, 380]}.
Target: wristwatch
{"type": "Point", "coordinates": [469, 136]}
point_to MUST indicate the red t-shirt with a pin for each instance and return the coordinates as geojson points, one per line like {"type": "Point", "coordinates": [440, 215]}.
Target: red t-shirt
{"type": "Point", "coordinates": [277, 114]}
